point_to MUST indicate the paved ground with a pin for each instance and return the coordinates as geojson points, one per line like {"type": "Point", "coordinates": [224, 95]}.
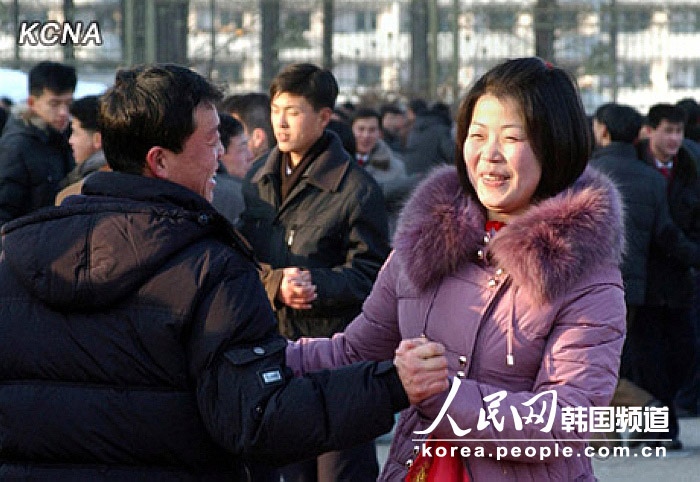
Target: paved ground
{"type": "Point", "coordinates": [680, 466]}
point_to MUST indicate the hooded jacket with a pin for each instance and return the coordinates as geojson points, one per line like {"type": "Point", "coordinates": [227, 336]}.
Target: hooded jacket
{"type": "Point", "coordinates": [34, 160]}
{"type": "Point", "coordinates": [538, 307]}
{"type": "Point", "coordinates": [137, 343]}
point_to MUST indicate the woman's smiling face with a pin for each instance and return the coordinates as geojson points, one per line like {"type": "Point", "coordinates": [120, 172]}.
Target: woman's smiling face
{"type": "Point", "coordinates": [500, 162]}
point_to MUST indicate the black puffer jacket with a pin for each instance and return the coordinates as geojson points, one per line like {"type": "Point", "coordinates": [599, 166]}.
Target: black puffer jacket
{"type": "Point", "coordinates": [34, 161]}
{"type": "Point", "coordinates": [137, 343]}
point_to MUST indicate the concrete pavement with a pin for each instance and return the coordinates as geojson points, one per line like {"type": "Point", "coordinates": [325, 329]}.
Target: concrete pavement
{"type": "Point", "coordinates": [678, 466]}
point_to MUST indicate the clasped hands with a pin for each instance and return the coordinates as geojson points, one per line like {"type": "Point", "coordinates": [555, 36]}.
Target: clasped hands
{"type": "Point", "coordinates": [422, 367]}
{"type": "Point", "coordinates": [296, 289]}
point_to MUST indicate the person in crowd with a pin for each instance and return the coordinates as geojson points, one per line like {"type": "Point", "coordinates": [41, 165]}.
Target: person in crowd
{"type": "Point", "coordinates": [253, 111]}
{"type": "Point", "coordinates": [234, 163]}
{"type": "Point", "coordinates": [35, 156]}
{"type": "Point", "coordinates": [86, 142]}
{"type": "Point", "coordinates": [430, 142]}
{"type": "Point", "coordinates": [647, 223]}
{"type": "Point", "coordinates": [667, 339]}
{"type": "Point", "coordinates": [380, 161]}
{"type": "Point", "coordinates": [415, 108]}
{"type": "Point", "coordinates": [510, 260]}
{"type": "Point", "coordinates": [318, 220]}
{"type": "Point", "coordinates": [134, 317]}
{"type": "Point", "coordinates": [394, 124]}
{"type": "Point", "coordinates": [343, 130]}
{"type": "Point", "coordinates": [688, 398]}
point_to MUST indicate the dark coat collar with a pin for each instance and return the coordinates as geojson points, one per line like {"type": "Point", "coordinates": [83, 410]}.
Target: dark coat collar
{"type": "Point", "coordinates": [326, 171]}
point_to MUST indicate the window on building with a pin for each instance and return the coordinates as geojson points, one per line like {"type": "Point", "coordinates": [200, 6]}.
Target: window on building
{"type": "Point", "coordinates": [294, 24]}
{"type": "Point", "coordinates": [369, 74]}
{"type": "Point", "coordinates": [366, 21]}
{"type": "Point", "coordinates": [501, 20]}
{"type": "Point", "coordinates": [635, 75]}
{"type": "Point", "coordinates": [445, 19]}
{"type": "Point", "coordinates": [628, 19]}
{"type": "Point", "coordinates": [684, 74]}
{"type": "Point", "coordinates": [684, 20]}
{"type": "Point", "coordinates": [231, 19]}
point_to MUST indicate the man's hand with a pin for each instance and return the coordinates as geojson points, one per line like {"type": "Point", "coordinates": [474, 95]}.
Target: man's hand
{"type": "Point", "coordinates": [422, 367]}
{"type": "Point", "coordinates": [296, 290]}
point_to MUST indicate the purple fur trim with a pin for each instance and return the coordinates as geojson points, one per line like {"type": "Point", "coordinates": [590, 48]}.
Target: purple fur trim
{"type": "Point", "coordinates": [546, 250]}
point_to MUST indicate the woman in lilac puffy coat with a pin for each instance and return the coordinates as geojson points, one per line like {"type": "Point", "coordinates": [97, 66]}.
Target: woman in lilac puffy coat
{"type": "Point", "coordinates": [509, 262]}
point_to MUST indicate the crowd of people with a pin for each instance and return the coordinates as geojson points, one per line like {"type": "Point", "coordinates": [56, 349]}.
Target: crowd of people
{"type": "Point", "coordinates": [251, 287]}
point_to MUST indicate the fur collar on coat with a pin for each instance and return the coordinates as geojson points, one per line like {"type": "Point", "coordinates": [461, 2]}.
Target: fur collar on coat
{"type": "Point", "coordinates": [546, 250]}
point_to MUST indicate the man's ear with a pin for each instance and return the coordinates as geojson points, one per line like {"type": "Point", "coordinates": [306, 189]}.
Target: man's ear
{"type": "Point", "coordinates": [259, 138]}
{"type": "Point", "coordinates": [156, 163]}
{"type": "Point", "coordinates": [97, 140]}
{"type": "Point", "coordinates": [31, 100]}
{"type": "Point", "coordinates": [326, 114]}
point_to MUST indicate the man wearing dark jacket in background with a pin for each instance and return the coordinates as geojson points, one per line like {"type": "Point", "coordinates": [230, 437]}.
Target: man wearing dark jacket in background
{"type": "Point", "coordinates": [669, 353]}
{"type": "Point", "coordinates": [35, 155]}
{"type": "Point", "coordinates": [318, 219]}
{"type": "Point", "coordinates": [648, 224]}
{"type": "Point", "coordinates": [136, 341]}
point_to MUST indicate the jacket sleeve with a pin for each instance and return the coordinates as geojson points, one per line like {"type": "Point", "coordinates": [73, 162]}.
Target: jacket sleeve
{"type": "Point", "coordinates": [669, 237]}
{"type": "Point", "coordinates": [368, 247]}
{"type": "Point", "coordinates": [373, 335]}
{"type": "Point", "coordinates": [249, 400]}
{"type": "Point", "coordinates": [579, 364]}
{"type": "Point", "coordinates": [14, 179]}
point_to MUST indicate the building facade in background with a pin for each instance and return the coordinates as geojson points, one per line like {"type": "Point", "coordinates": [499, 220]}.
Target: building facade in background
{"type": "Point", "coordinates": [637, 52]}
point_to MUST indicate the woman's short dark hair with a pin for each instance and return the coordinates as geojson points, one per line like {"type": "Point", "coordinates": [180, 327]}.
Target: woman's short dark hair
{"type": "Point", "coordinates": [555, 121]}
{"type": "Point", "coordinates": [150, 106]}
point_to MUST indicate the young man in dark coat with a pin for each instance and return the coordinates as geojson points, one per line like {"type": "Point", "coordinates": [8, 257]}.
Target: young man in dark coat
{"type": "Point", "coordinates": [318, 219]}
{"type": "Point", "coordinates": [136, 341]}
{"type": "Point", "coordinates": [35, 155]}
{"type": "Point", "coordinates": [667, 315]}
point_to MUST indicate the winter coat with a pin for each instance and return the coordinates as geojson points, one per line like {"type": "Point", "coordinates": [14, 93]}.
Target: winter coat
{"type": "Point", "coordinates": [332, 223]}
{"type": "Point", "coordinates": [228, 196]}
{"type": "Point", "coordinates": [671, 281]}
{"type": "Point", "coordinates": [390, 173]}
{"type": "Point", "coordinates": [647, 217]}
{"type": "Point", "coordinates": [137, 343]}
{"type": "Point", "coordinates": [34, 160]}
{"type": "Point", "coordinates": [429, 143]}
{"type": "Point", "coordinates": [539, 307]}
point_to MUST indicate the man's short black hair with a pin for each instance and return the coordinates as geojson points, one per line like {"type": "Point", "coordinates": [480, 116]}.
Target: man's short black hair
{"type": "Point", "coordinates": [318, 86]}
{"type": "Point", "coordinates": [366, 113]}
{"type": "Point", "coordinates": [622, 121]}
{"type": "Point", "coordinates": [253, 110]}
{"type": "Point", "coordinates": [150, 106]}
{"type": "Point", "coordinates": [85, 110]}
{"type": "Point", "coordinates": [56, 77]}
{"type": "Point", "coordinates": [229, 127]}
{"type": "Point", "coordinates": [667, 112]}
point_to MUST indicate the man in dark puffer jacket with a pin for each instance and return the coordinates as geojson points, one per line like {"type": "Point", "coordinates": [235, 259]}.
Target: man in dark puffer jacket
{"type": "Point", "coordinates": [136, 341]}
